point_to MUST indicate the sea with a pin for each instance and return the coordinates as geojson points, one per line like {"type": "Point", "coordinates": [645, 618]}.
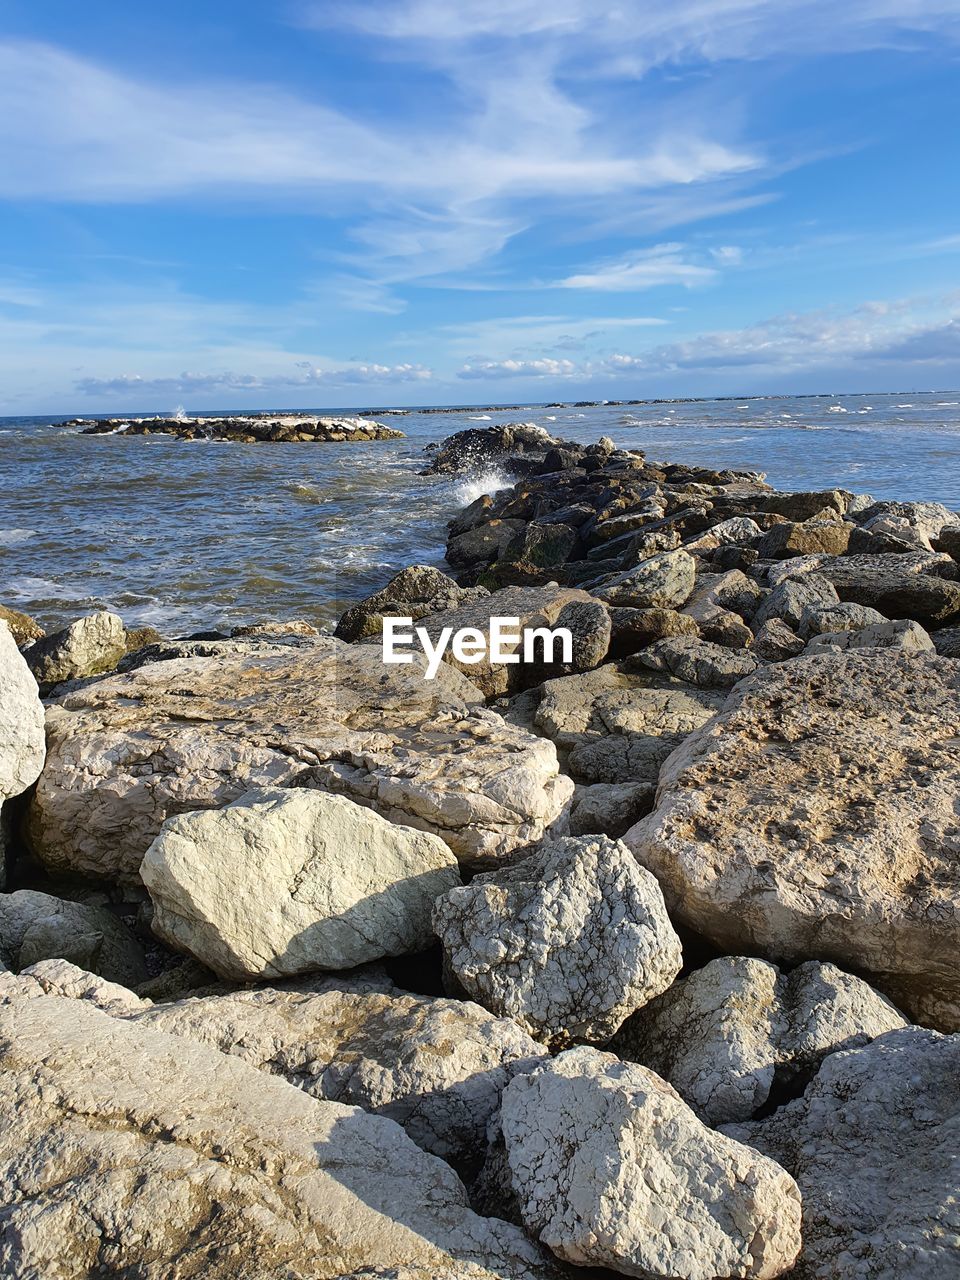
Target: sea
{"type": "Point", "coordinates": [186, 536]}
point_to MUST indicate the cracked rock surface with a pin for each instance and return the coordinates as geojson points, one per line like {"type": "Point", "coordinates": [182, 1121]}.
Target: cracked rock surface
{"type": "Point", "coordinates": [124, 1151]}
{"type": "Point", "coordinates": [21, 726]}
{"type": "Point", "coordinates": [283, 882]}
{"type": "Point", "coordinates": [610, 1167]}
{"type": "Point", "coordinates": [816, 816]}
{"type": "Point", "coordinates": [731, 1031]}
{"type": "Point", "coordinates": [567, 942]}
{"type": "Point", "coordinates": [873, 1146]}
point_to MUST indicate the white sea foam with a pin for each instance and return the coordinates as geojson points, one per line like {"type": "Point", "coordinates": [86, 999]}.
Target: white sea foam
{"type": "Point", "coordinates": [28, 588]}
{"type": "Point", "coordinates": [14, 537]}
{"type": "Point", "coordinates": [479, 417]}
{"type": "Point", "coordinates": [474, 487]}
{"type": "Point", "coordinates": [837, 408]}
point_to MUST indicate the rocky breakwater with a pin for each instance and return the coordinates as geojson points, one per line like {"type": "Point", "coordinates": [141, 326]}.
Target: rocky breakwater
{"type": "Point", "coordinates": [248, 428]}
{"type": "Point", "coordinates": [605, 959]}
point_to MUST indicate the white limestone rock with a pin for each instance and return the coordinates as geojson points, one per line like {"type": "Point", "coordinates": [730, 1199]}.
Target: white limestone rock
{"type": "Point", "coordinates": [284, 882]}
{"type": "Point", "coordinates": [37, 926]}
{"type": "Point", "coordinates": [21, 726]}
{"type": "Point", "coordinates": [610, 1167]}
{"type": "Point", "coordinates": [731, 1032]}
{"type": "Point", "coordinates": [567, 942]}
{"type": "Point", "coordinates": [88, 647]}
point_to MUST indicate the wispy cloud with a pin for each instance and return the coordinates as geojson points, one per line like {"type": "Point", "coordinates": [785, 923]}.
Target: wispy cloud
{"type": "Point", "coordinates": [303, 377]}
{"type": "Point", "coordinates": [664, 264]}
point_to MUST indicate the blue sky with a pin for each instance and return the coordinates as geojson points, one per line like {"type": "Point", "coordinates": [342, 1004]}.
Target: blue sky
{"type": "Point", "coordinates": [420, 201]}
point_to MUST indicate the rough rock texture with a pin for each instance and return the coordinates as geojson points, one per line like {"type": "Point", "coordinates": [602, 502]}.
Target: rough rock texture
{"type": "Point", "coordinates": [412, 593]}
{"type": "Point", "coordinates": [664, 581]}
{"type": "Point", "coordinates": [567, 942]}
{"type": "Point", "coordinates": [21, 728]}
{"type": "Point", "coordinates": [23, 628]}
{"type": "Point", "coordinates": [611, 1167]}
{"type": "Point", "coordinates": [619, 727]}
{"type": "Point", "coordinates": [903, 634]}
{"type": "Point", "coordinates": [35, 926]}
{"type": "Point", "coordinates": [698, 662]}
{"type": "Point", "coordinates": [61, 978]}
{"type": "Point", "coordinates": [88, 647]}
{"type": "Point", "coordinates": [128, 751]}
{"type": "Point", "coordinates": [287, 881]}
{"type": "Point", "coordinates": [776, 642]}
{"type": "Point", "coordinates": [437, 1067]}
{"type": "Point", "coordinates": [737, 1029]}
{"type": "Point", "coordinates": [790, 598]}
{"type": "Point", "coordinates": [947, 642]}
{"type": "Point", "coordinates": [899, 586]}
{"type": "Point", "coordinates": [124, 1151]}
{"type": "Point", "coordinates": [609, 808]}
{"type": "Point", "coordinates": [809, 538]}
{"type": "Point", "coordinates": [819, 619]}
{"type": "Point", "coordinates": [873, 1146]}
{"type": "Point", "coordinates": [816, 817]}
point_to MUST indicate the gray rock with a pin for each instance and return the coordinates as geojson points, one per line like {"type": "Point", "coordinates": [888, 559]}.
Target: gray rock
{"type": "Point", "coordinates": [947, 642]}
{"type": "Point", "coordinates": [776, 642]}
{"type": "Point", "coordinates": [698, 662]}
{"type": "Point", "coordinates": [914, 585]}
{"type": "Point", "coordinates": [873, 1147]}
{"type": "Point", "coordinates": [283, 882]}
{"type": "Point", "coordinates": [790, 598]}
{"type": "Point", "coordinates": [436, 1067]}
{"type": "Point", "coordinates": [735, 1030]}
{"type": "Point", "coordinates": [818, 620]}
{"type": "Point", "coordinates": [35, 926]}
{"type": "Point", "coordinates": [903, 634]}
{"type": "Point", "coordinates": [808, 538]}
{"type": "Point", "coordinates": [611, 1168]}
{"type": "Point", "coordinates": [664, 581]}
{"type": "Point", "coordinates": [483, 544]}
{"type": "Point", "coordinates": [197, 1160]}
{"type": "Point", "coordinates": [21, 727]}
{"type": "Point", "coordinates": [835, 834]}
{"type": "Point", "coordinates": [609, 808]}
{"type": "Point", "coordinates": [88, 647]}
{"type": "Point", "coordinates": [568, 942]}
{"type": "Point", "coordinates": [412, 593]}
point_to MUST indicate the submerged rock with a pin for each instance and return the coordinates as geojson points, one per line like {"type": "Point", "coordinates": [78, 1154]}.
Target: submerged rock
{"type": "Point", "coordinates": [286, 882]}
{"type": "Point", "coordinates": [568, 942]}
{"type": "Point", "coordinates": [815, 818]}
{"type": "Point", "coordinates": [873, 1147]}
{"type": "Point", "coordinates": [738, 1030]}
{"type": "Point", "coordinates": [611, 1168]}
{"type": "Point", "coordinates": [191, 1153]}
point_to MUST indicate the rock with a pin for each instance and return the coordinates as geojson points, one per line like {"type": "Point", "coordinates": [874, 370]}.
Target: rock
{"type": "Point", "coordinates": [295, 627]}
{"type": "Point", "coordinates": [412, 593]}
{"type": "Point", "coordinates": [787, 540]}
{"type": "Point", "coordinates": [35, 926]}
{"type": "Point", "coordinates": [21, 727]}
{"type": "Point", "coordinates": [23, 628]}
{"type": "Point", "coordinates": [61, 978]}
{"type": "Point", "coordinates": [609, 808]}
{"type": "Point", "coordinates": [588, 622]}
{"type": "Point", "coordinates": [634, 629]}
{"type": "Point", "coordinates": [803, 506]}
{"type": "Point", "coordinates": [286, 882]}
{"type": "Point", "coordinates": [902, 634]}
{"type": "Point", "coordinates": [775, 642]}
{"type": "Point", "coordinates": [124, 1151]}
{"type": "Point", "coordinates": [947, 642]}
{"type": "Point", "coordinates": [788, 599]}
{"type": "Point", "coordinates": [873, 1147]}
{"type": "Point", "coordinates": [567, 942]}
{"type": "Point", "coordinates": [251, 428]}
{"type": "Point", "coordinates": [738, 1031]}
{"type": "Point", "coordinates": [820, 619]}
{"type": "Point", "coordinates": [723, 592]}
{"type": "Point", "coordinates": [328, 714]}
{"type": "Point", "coordinates": [615, 726]}
{"type": "Point", "coordinates": [476, 448]}
{"type": "Point", "coordinates": [611, 1168]}
{"type": "Point", "coordinates": [948, 540]}
{"type": "Point", "coordinates": [436, 1067]}
{"type": "Point", "coordinates": [698, 662]}
{"type": "Point", "coordinates": [484, 544]}
{"type": "Point", "coordinates": [541, 545]}
{"type": "Point", "coordinates": [815, 817]}
{"type": "Point", "coordinates": [735, 532]}
{"type": "Point", "coordinates": [664, 581]}
{"type": "Point", "coordinates": [899, 586]}
{"type": "Point", "coordinates": [88, 647]}
{"type": "Point", "coordinates": [533, 607]}
{"type": "Point", "coordinates": [929, 519]}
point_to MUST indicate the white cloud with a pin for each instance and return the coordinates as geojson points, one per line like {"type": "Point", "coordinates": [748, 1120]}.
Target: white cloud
{"type": "Point", "coordinates": [644, 269]}
{"type": "Point", "coordinates": [305, 377]}
{"type": "Point", "coordinates": [543, 368]}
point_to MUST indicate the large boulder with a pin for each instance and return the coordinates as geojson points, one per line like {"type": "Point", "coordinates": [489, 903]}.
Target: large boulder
{"type": "Point", "coordinates": [437, 1067]}
{"type": "Point", "coordinates": [412, 593]}
{"type": "Point", "coordinates": [618, 726]}
{"type": "Point", "coordinates": [68, 981]}
{"type": "Point", "coordinates": [789, 599]}
{"type": "Point", "coordinates": [698, 662]}
{"type": "Point", "coordinates": [129, 751]}
{"type": "Point", "coordinates": [35, 926]}
{"type": "Point", "coordinates": [873, 1147]}
{"type": "Point", "coordinates": [903, 634]}
{"type": "Point", "coordinates": [88, 647]}
{"type": "Point", "coordinates": [664, 581]}
{"type": "Point", "coordinates": [124, 1151]}
{"type": "Point", "coordinates": [739, 1031]}
{"type": "Point", "coordinates": [815, 818]}
{"type": "Point", "coordinates": [288, 881]}
{"type": "Point", "coordinates": [477, 448]}
{"type": "Point", "coordinates": [21, 727]}
{"type": "Point", "coordinates": [915, 585]}
{"type": "Point", "coordinates": [567, 942]}
{"type": "Point", "coordinates": [611, 1168]}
